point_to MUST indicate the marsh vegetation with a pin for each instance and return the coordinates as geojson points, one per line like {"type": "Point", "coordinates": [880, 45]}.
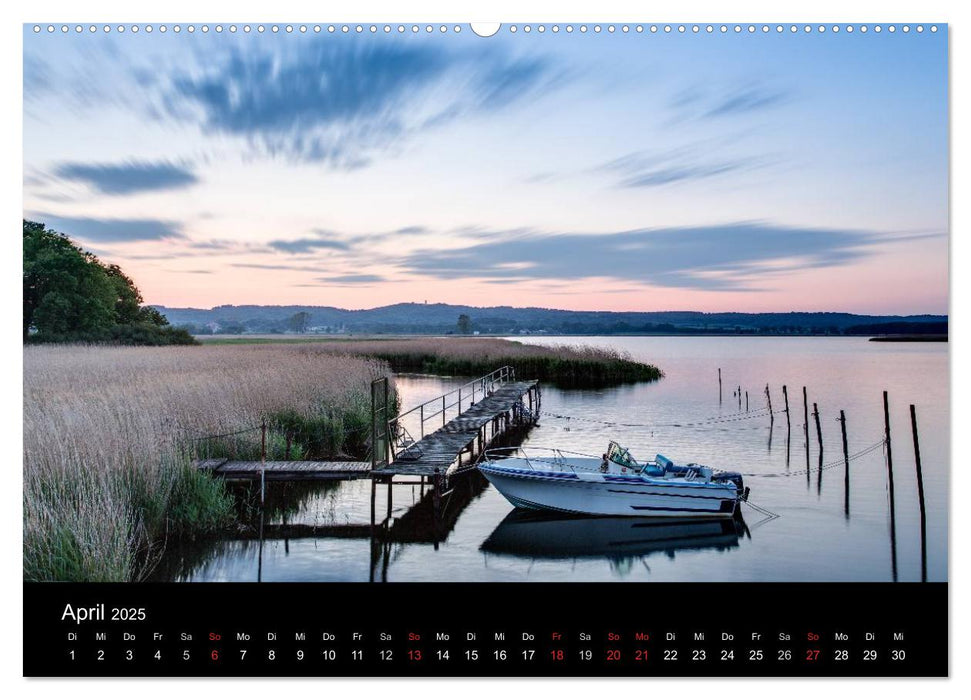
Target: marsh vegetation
{"type": "Point", "coordinates": [110, 433]}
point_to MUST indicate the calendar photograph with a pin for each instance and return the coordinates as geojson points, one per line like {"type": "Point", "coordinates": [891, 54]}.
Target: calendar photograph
{"type": "Point", "coordinates": [533, 304]}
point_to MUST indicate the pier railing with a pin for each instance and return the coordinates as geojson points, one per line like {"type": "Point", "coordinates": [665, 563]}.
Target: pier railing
{"type": "Point", "coordinates": [436, 410]}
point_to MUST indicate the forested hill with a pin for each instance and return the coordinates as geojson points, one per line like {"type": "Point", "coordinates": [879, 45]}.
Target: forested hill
{"type": "Point", "coordinates": [445, 318]}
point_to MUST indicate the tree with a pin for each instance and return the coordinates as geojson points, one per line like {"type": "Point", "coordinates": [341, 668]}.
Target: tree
{"type": "Point", "coordinates": [298, 322]}
{"type": "Point", "coordinates": [66, 290]}
{"type": "Point", "coordinates": [69, 295]}
{"type": "Point", "coordinates": [465, 324]}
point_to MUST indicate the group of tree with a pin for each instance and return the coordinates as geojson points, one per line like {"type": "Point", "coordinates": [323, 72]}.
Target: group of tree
{"type": "Point", "coordinates": [71, 296]}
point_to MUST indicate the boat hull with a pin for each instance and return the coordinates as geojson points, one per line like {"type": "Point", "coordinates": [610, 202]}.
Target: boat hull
{"type": "Point", "coordinates": [593, 494]}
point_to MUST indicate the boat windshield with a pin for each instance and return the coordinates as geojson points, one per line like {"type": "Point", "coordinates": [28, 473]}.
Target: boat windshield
{"type": "Point", "coordinates": [621, 455]}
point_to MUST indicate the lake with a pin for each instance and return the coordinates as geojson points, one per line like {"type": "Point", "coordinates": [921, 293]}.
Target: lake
{"type": "Point", "coordinates": [818, 535]}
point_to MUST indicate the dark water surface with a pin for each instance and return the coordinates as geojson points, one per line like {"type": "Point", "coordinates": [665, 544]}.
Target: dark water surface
{"type": "Point", "coordinates": [813, 539]}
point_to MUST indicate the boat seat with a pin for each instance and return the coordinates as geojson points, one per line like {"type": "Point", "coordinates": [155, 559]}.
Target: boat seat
{"type": "Point", "coordinates": [653, 470]}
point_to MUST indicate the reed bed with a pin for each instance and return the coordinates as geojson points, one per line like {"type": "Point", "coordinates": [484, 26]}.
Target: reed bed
{"type": "Point", "coordinates": [563, 365]}
{"type": "Point", "coordinates": [110, 432]}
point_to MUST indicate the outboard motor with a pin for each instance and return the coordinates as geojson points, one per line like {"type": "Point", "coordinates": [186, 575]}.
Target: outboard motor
{"type": "Point", "coordinates": [733, 477]}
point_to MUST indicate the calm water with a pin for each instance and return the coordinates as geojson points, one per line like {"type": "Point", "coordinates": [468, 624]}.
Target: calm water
{"type": "Point", "coordinates": [813, 539]}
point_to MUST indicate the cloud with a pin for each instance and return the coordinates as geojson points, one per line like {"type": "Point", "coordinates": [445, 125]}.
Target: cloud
{"type": "Point", "coordinates": [687, 163]}
{"type": "Point", "coordinates": [37, 77]}
{"type": "Point", "coordinates": [352, 279]}
{"type": "Point", "coordinates": [129, 177]}
{"type": "Point", "coordinates": [309, 245]}
{"type": "Point", "coordinates": [704, 102]}
{"type": "Point", "coordinates": [295, 268]}
{"type": "Point", "coordinates": [735, 257]}
{"type": "Point", "coordinates": [341, 102]}
{"type": "Point", "coordinates": [748, 99]}
{"type": "Point", "coordinates": [110, 230]}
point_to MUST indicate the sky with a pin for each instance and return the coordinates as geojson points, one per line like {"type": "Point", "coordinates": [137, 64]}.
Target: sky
{"type": "Point", "coordinates": [763, 171]}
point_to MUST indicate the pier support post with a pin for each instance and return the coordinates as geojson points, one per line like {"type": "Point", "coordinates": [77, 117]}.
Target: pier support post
{"type": "Point", "coordinates": [263, 463]}
{"type": "Point", "coordinates": [719, 385]}
{"type": "Point", "coordinates": [387, 520]}
{"type": "Point", "coordinates": [437, 495]}
{"type": "Point", "coordinates": [374, 488]}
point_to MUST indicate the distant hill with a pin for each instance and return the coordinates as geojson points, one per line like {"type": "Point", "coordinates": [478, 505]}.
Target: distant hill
{"type": "Point", "coordinates": [507, 320]}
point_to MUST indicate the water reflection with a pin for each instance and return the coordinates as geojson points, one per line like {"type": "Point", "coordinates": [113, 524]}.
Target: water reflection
{"type": "Point", "coordinates": [621, 541]}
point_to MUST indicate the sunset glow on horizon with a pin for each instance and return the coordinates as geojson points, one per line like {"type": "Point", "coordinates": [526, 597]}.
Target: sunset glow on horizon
{"type": "Point", "coordinates": [608, 171]}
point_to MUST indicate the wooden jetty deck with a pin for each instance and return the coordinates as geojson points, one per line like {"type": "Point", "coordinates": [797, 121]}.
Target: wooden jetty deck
{"type": "Point", "coordinates": [284, 470]}
{"type": "Point", "coordinates": [440, 449]}
{"type": "Point", "coordinates": [483, 410]}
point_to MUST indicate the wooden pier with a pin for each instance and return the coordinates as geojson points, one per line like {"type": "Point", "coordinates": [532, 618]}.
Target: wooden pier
{"type": "Point", "coordinates": [483, 409]}
{"type": "Point", "coordinates": [467, 435]}
{"type": "Point", "coordinates": [283, 470]}
{"type": "Point", "coordinates": [453, 432]}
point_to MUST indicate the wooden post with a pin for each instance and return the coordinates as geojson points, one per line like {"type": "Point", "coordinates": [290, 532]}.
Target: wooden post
{"type": "Point", "coordinates": [746, 400]}
{"type": "Point", "coordinates": [443, 410]}
{"type": "Point", "coordinates": [421, 416]}
{"type": "Point", "coordinates": [886, 428]}
{"type": "Point", "coordinates": [719, 385]}
{"type": "Point", "coordinates": [819, 430]}
{"type": "Point", "coordinates": [387, 520]}
{"type": "Point", "coordinates": [768, 396]}
{"type": "Point", "coordinates": [785, 395]}
{"type": "Point", "coordinates": [263, 463]}
{"type": "Point", "coordinates": [374, 488]}
{"type": "Point", "coordinates": [740, 398]}
{"type": "Point", "coordinates": [437, 495]}
{"type": "Point", "coordinates": [805, 417]}
{"type": "Point", "coordinates": [846, 467]}
{"type": "Point", "coordinates": [893, 513]}
{"type": "Point", "coordinates": [920, 497]}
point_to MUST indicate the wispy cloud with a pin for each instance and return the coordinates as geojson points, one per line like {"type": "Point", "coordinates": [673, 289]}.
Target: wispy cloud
{"type": "Point", "coordinates": [748, 99]}
{"type": "Point", "coordinates": [736, 257]}
{"type": "Point", "coordinates": [691, 163]}
{"type": "Point", "coordinates": [352, 279]}
{"type": "Point", "coordinates": [340, 103]}
{"type": "Point", "coordinates": [706, 102]}
{"type": "Point", "coordinates": [324, 240]}
{"type": "Point", "coordinates": [129, 177]}
{"type": "Point", "coordinates": [110, 230]}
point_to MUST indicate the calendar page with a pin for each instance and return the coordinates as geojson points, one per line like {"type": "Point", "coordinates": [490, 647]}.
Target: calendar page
{"type": "Point", "coordinates": [518, 349]}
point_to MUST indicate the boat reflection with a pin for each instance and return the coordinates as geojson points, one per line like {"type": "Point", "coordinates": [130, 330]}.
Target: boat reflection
{"type": "Point", "coordinates": [545, 535]}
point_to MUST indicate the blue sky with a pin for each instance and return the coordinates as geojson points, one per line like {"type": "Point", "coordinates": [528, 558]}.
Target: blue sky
{"type": "Point", "coordinates": [778, 171]}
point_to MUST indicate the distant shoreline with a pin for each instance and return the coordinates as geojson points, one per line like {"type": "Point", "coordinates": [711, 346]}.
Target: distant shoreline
{"type": "Point", "coordinates": [909, 339]}
{"type": "Point", "coordinates": [315, 337]}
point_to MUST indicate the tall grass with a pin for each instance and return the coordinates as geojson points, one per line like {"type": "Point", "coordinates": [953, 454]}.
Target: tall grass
{"type": "Point", "coordinates": [564, 365]}
{"type": "Point", "coordinates": [109, 434]}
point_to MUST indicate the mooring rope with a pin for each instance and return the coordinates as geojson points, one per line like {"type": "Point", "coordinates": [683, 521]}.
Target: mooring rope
{"type": "Point", "coordinates": [830, 465]}
{"type": "Point", "coordinates": [716, 420]}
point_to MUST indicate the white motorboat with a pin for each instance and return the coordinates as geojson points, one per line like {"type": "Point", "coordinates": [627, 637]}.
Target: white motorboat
{"type": "Point", "coordinates": [614, 484]}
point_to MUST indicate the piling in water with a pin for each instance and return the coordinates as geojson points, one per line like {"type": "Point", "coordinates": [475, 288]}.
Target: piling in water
{"type": "Point", "coordinates": [846, 467]}
{"type": "Point", "coordinates": [893, 514]}
{"type": "Point", "coordinates": [805, 425]}
{"type": "Point", "coordinates": [920, 496]}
